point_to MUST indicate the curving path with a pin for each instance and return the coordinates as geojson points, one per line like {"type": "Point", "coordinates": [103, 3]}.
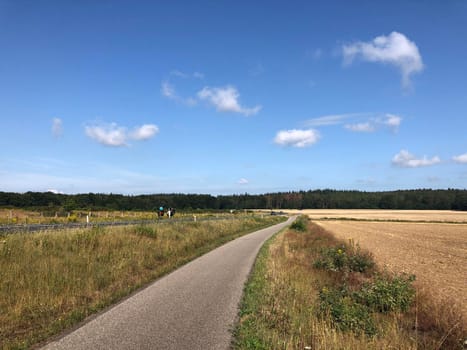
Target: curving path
{"type": "Point", "coordinates": [195, 307]}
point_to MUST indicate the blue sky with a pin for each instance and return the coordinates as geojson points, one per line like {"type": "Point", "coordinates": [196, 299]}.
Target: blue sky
{"type": "Point", "coordinates": [227, 97]}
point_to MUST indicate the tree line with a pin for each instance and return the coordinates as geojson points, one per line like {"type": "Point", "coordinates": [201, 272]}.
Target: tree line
{"type": "Point", "coordinates": [450, 199]}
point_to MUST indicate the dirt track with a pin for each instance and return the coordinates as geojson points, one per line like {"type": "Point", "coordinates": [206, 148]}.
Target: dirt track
{"type": "Point", "coordinates": [435, 253]}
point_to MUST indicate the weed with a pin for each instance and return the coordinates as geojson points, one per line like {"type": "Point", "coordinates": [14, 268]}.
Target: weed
{"type": "Point", "coordinates": [345, 312]}
{"type": "Point", "coordinates": [388, 293]}
{"type": "Point", "coordinates": [344, 258]}
{"type": "Point", "coordinates": [300, 224]}
{"type": "Point", "coordinates": [146, 230]}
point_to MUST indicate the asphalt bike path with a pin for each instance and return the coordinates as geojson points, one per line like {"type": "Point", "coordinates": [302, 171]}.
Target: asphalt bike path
{"type": "Point", "coordinates": [194, 307]}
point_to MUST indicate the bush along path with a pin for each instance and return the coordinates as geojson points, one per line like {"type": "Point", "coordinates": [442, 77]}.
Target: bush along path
{"type": "Point", "coordinates": [311, 291]}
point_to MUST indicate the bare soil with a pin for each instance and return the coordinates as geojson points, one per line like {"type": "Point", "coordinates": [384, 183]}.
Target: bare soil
{"type": "Point", "coordinates": [436, 253]}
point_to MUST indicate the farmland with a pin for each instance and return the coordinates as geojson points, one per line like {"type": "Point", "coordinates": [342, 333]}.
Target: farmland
{"type": "Point", "coordinates": [432, 244]}
{"type": "Point", "coordinates": [385, 215]}
{"type": "Point", "coordinates": [312, 283]}
{"type": "Point", "coordinates": [435, 253]}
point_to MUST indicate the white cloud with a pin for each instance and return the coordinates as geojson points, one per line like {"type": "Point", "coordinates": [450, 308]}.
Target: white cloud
{"type": "Point", "coordinates": [179, 74]}
{"type": "Point", "coordinates": [460, 158]}
{"type": "Point", "coordinates": [361, 127]}
{"type": "Point", "coordinates": [334, 119]}
{"type": "Point", "coordinates": [108, 135]}
{"type": "Point", "coordinates": [405, 159]}
{"type": "Point", "coordinates": [297, 138]}
{"type": "Point", "coordinates": [243, 181]}
{"type": "Point", "coordinates": [392, 121]}
{"type": "Point", "coordinates": [52, 190]}
{"type": "Point", "coordinates": [168, 90]}
{"type": "Point", "coordinates": [389, 121]}
{"type": "Point", "coordinates": [144, 132]}
{"type": "Point", "coordinates": [395, 49]}
{"type": "Point", "coordinates": [57, 127]}
{"type": "Point", "coordinates": [118, 136]}
{"type": "Point", "coordinates": [225, 99]}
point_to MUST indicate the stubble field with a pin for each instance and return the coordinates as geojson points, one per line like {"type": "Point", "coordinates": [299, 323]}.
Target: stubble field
{"type": "Point", "coordinates": [385, 215]}
{"type": "Point", "coordinates": [435, 252]}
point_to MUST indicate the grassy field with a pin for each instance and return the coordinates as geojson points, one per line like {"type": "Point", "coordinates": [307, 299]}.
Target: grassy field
{"type": "Point", "coordinates": [53, 280]}
{"type": "Point", "coordinates": [309, 290]}
{"type": "Point", "coordinates": [21, 216]}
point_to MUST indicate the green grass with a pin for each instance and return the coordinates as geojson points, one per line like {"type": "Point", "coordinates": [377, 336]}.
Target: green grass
{"type": "Point", "coordinates": [309, 290]}
{"type": "Point", "coordinates": [52, 280]}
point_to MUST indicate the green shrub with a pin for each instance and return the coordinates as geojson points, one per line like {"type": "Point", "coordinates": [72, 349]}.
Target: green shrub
{"type": "Point", "coordinates": [300, 224]}
{"type": "Point", "coordinates": [333, 259]}
{"type": "Point", "coordinates": [386, 293]}
{"type": "Point", "coordinates": [344, 258]}
{"type": "Point", "coordinates": [346, 314]}
{"type": "Point", "coordinates": [360, 261]}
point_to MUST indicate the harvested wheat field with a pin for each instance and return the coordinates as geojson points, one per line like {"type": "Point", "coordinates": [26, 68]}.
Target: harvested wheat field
{"type": "Point", "coordinates": [390, 215]}
{"type": "Point", "coordinates": [435, 253]}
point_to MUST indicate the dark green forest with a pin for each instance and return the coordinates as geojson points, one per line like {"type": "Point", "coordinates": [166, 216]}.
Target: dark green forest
{"type": "Point", "coordinates": [450, 199]}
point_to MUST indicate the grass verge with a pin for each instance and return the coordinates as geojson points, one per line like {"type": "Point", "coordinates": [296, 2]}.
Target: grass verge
{"type": "Point", "coordinates": [311, 291]}
{"type": "Point", "coordinates": [53, 280]}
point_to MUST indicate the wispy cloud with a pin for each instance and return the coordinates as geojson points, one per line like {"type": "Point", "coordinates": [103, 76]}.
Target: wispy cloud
{"type": "Point", "coordinates": [183, 75]}
{"type": "Point", "coordinates": [243, 181]}
{"type": "Point", "coordinates": [395, 49]}
{"type": "Point", "coordinates": [168, 91]}
{"type": "Point", "coordinates": [358, 122]}
{"type": "Point", "coordinates": [404, 159]}
{"type": "Point", "coordinates": [389, 121]}
{"type": "Point", "coordinates": [462, 159]}
{"type": "Point", "coordinates": [297, 138]}
{"type": "Point", "coordinates": [225, 99]}
{"type": "Point", "coordinates": [361, 127]}
{"type": "Point", "coordinates": [117, 136]}
{"type": "Point", "coordinates": [334, 119]}
{"type": "Point", "coordinates": [57, 127]}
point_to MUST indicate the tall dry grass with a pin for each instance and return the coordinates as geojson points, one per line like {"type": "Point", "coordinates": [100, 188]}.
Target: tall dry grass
{"type": "Point", "coordinates": [281, 305]}
{"type": "Point", "coordinates": [52, 280]}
